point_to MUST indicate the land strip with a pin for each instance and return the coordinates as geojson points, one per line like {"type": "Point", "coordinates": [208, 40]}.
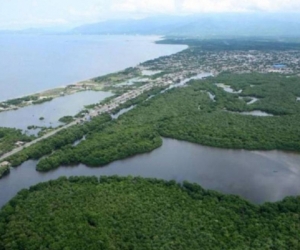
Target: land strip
{"type": "Point", "coordinates": [97, 110]}
{"type": "Point", "coordinates": [272, 91]}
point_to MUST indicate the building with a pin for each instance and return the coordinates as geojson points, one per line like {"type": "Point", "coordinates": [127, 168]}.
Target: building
{"type": "Point", "coordinates": [19, 143]}
{"type": "Point", "coordinates": [4, 164]}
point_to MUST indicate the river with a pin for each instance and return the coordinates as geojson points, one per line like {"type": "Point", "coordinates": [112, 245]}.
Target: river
{"type": "Point", "coordinates": [257, 176]}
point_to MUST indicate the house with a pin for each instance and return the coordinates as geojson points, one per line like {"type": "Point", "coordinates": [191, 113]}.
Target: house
{"type": "Point", "coordinates": [19, 143]}
{"type": "Point", "coordinates": [4, 164]}
{"type": "Point", "coordinates": [279, 66]}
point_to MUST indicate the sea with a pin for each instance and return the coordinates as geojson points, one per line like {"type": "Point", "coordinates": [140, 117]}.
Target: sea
{"type": "Point", "coordinates": [33, 63]}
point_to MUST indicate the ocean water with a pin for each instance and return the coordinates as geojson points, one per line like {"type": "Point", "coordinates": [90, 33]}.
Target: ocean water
{"type": "Point", "coordinates": [32, 63]}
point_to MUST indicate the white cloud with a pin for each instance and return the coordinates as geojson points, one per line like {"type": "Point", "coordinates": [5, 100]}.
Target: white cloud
{"type": "Point", "coordinates": [19, 13]}
{"type": "Point", "coordinates": [196, 6]}
{"type": "Point", "coordinates": [146, 6]}
{"type": "Point", "coordinates": [87, 13]}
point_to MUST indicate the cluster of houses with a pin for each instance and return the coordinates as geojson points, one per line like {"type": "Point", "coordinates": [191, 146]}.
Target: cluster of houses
{"type": "Point", "coordinates": [234, 61]}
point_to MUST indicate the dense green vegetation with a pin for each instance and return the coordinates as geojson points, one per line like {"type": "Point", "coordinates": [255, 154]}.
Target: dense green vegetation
{"type": "Point", "coordinates": [102, 148]}
{"type": "Point", "coordinates": [139, 99]}
{"type": "Point", "coordinates": [8, 138]}
{"type": "Point", "coordinates": [107, 100]}
{"type": "Point", "coordinates": [66, 119]}
{"type": "Point", "coordinates": [234, 44]}
{"type": "Point", "coordinates": [82, 113]}
{"type": "Point", "coordinates": [61, 139]}
{"type": "Point", "coordinates": [19, 101]}
{"type": "Point", "coordinates": [4, 170]}
{"type": "Point", "coordinates": [40, 101]}
{"type": "Point", "coordinates": [186, 114]}
{"type": "Point", "coordinates": [138, 213]}
{"type": "Point", "coordinates": [277, 93]}
{"type": "Point", "coordinates": [42, 129]}
{"type": "Point", "coordinates": [199, 119]}
{"type": "Point", "coordinates": [119, 76]}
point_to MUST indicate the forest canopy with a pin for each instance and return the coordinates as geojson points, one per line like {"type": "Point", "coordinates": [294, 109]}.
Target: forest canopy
{"type": "Point", "coordinates": [188, 114]}
{"type": "Point", "coordinates": [137, 213]}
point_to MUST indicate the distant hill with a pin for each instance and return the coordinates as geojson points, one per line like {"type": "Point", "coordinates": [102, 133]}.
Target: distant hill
{"type": "Point", "coordinates": [46, 30]}
{"type": "Point", "coordinates": [205, 25]}
{"type": "Point", "coordinates": [153, 25]}
{"type": "Point", "coordinates": [201, 25]}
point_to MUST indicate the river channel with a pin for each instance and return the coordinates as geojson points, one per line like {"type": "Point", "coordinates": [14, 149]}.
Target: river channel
{"type": "Point", "coordinates": [257, 176]}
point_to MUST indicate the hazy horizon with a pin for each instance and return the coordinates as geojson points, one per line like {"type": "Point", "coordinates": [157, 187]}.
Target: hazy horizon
{"type": "Point", "coordinates": [18, 14]}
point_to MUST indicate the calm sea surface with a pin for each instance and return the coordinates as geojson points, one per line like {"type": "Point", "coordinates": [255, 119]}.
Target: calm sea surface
{"type": "Point", "coordinates": [32, 63]}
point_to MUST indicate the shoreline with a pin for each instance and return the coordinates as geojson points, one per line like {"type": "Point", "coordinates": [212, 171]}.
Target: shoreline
{"type": "Point", "coordinates": [43, 93]}
{"type": "Point", "coordinates": [51, 89]}
{"type": "Point", "coordinates": [62, 88]}
{"type": "Point", "coordinates": [58, 87]}
{"type": "Point", "coordinates": [31, 94]}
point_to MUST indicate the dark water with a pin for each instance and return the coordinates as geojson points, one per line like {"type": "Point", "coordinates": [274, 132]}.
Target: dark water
{"type": "Point", "coordinates": [256, 176]}
{"type": "Point", "coordinates": [122, 111]}
{"type": "Point", "coordinates": [32, 63]}
{"type": "Point", "coordinates": [51, 111]}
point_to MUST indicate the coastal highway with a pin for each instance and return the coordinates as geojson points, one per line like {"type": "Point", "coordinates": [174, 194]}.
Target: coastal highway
{"type": "Point", "coordinates": [96, 111]}
{"type": "Point", "coordinates": [17, 150]}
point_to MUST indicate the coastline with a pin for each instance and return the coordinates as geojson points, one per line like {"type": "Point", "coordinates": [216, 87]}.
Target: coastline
{"type": "Point", "coordinates": [63, 89]}
{"type": "Point", "coordinates": [50, 89]}
{"type": "Point", "coordinates": [35, 93]}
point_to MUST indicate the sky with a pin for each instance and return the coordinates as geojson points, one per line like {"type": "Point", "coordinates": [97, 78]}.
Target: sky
{"type": "Point", "coordinates": [20, 14]}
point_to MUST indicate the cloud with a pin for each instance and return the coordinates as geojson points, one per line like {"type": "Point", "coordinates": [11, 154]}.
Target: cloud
{"type": "Point", "coordinates": [146, 6]}
{"type": "Point", "coordinates": [88, 13]}
{"type": "Point", "coordinates": [196, 6]}
{"type": "Point", "coordinates": [20, 13]}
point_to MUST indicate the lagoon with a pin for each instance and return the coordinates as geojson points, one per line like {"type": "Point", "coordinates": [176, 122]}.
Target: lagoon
{"type": "Point", "coordinates": [258, 176]}
{"type": "Point", "coordinates": [51, 111]}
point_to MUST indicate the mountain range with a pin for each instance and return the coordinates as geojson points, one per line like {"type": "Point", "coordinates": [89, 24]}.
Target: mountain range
{"type": "Point", "coordinates": [204, 25]}
{"type": "Point", "coordinates": [218, 25]}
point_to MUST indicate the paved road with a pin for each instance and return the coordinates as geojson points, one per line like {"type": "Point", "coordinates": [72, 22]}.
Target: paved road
{"type": "Point", "coordinates": [97, 111]}
{"type": "Point", "coordinates": [16, 150]}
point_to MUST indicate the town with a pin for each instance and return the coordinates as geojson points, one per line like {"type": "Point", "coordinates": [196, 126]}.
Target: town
{"type": "Point", "coordinates": [174, 69]}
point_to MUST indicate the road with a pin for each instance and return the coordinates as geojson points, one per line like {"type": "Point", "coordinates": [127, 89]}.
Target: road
{"type": "Point", "coordinates": [96, 111]}
{"type": "Point", "coordinates": [17, 150]}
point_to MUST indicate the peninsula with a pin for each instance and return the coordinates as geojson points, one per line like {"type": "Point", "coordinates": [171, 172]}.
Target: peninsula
{"type": "Point", "coordinates": [223, 84]}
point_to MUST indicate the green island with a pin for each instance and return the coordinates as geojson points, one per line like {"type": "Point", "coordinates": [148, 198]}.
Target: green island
{"type": "Point", "coordinates": [66, 119]}
{"type": "Point", "coordinates": [137, 213]}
